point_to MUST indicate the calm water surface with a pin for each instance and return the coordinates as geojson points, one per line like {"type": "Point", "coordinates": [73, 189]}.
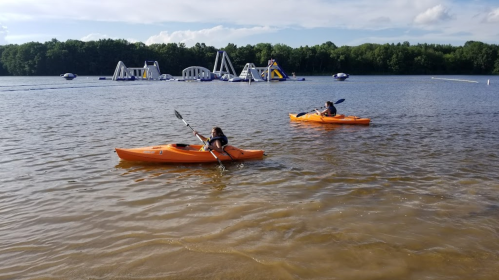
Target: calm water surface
{"type": "Point", "coordinates": [414, 195]}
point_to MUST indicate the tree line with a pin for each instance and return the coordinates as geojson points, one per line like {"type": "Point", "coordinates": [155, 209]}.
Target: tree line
{"type": "Point", "coordinates": [101, 57]}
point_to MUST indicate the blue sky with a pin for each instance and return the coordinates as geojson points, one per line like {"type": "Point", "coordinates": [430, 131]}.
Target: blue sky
{"type": "Point", "coordinates": [219, 22]}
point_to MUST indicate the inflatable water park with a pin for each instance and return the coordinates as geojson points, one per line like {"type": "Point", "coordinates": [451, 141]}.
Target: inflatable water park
{"type": "Point", "coordinates": [150, 71]}
{"type": "Point", "coordinates": [223, 70]}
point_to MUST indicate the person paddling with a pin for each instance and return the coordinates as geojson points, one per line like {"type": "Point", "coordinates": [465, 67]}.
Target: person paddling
{"type": "Point", "coordinates": [330, 110]}
{"type": "Point", "coordinates": [215, 142]}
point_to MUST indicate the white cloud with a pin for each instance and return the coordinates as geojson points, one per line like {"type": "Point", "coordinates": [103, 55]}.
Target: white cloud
{"type": "Point", "coordinates": [433, 15]}
{"type": "Point", "coordinates": [277, 13]}
{"type": "Point", "coordinates": [99, 36]}
{"type": "Point", "coordinates": [216, 36]}
{"type": "Point", "coordinates": [3, 34]}
{"type": "Point", "coordinates": [380, 20]}
{"type": "Point", "coordinates": [493, 16]}
{"type": "Point", "coordinates": [28, 37]}
{"type": "Point", "coordinates": [94, 37]}
{"type": "Point", "coordinates": [472, 17]}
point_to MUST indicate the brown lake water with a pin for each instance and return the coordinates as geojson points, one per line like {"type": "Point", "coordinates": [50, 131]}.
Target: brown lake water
{"type": "Point", "coordinates": [414, 195]}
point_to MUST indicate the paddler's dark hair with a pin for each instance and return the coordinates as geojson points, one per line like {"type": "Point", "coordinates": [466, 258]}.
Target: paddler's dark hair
{"type": "Point", "coordinates": [219, 131]}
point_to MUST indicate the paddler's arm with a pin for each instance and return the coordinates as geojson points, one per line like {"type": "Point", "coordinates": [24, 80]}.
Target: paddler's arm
{"type": "Point", "coordinates": [202, 137]}
{"type": "Point", "coordinates": [323, 113]}
{"type": "Point", "coordinates": [216, 146]}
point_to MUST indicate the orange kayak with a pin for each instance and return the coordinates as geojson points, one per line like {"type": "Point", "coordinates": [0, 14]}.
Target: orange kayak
{"type": "Point", "coordinates": [182, 153]}
{"type": "Point", "coordinates": [338, 119]}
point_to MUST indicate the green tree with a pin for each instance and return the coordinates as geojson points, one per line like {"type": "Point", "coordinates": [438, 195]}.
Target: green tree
{"type": "Point", "coordinates": [281, 53]}
{"type": "Point", "coordinates": [263, 53]}
{"type": "Point", "coordinates": [100, 57]}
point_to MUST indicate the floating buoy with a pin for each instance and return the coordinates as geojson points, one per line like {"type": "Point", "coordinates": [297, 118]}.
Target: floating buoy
{"type": "Point", "coordinates": [69, 76]}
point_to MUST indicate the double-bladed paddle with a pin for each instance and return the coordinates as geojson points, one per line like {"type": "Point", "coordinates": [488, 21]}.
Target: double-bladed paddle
{"type": "Point", "coordinates": [179, 116]}
{"type": "Point", "coordinates": [304, 113]}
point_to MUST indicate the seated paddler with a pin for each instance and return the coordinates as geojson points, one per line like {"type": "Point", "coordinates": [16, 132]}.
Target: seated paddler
{"type": "Point", "coordinates": [215, 142]}
{"type": "Point", "coordinates": [330, 110]}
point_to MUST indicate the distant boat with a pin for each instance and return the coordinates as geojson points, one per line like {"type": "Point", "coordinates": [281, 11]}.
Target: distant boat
{"type": "Point", "coordinates": [69, 76]}
{"type": "Point", "coordinates": [341, 76]}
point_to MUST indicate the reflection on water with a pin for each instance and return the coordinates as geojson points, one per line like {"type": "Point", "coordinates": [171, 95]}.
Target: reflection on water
{"type": "Point", "coordinates": [411, 196]}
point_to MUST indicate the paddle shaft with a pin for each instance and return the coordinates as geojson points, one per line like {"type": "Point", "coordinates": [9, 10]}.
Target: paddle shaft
{"type": "Point", "coordinates": [199, 137]}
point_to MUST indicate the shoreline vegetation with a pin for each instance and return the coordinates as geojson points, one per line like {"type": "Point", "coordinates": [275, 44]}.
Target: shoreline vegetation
{"type": "Point", "coordinates": [97, 58]}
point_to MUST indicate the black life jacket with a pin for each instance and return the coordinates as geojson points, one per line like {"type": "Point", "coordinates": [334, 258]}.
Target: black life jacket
{"type": "Point", "coordinates": [223, 141]}
{"type": "Point", "coordinates": [332, 109]}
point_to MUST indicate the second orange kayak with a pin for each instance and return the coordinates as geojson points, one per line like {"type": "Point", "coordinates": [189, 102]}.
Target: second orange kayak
{"type": "Point", "coordinates": [338, 119]}
{"type": "Point", "coordinates": [182, 153]}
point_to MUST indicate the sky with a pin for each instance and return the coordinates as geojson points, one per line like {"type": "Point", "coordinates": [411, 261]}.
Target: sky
{"type": "Point", "coordinates": [220, 22]}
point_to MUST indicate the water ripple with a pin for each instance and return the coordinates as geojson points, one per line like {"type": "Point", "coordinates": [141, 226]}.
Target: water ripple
{"type": "Point", "coordinates": [411, 196]}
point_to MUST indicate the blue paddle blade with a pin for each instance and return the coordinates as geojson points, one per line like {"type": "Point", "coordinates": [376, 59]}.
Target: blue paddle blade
{"type": "Point", "coordinates": [301, 114]}
{"type": "Point", "coordinates": [339, 101]}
